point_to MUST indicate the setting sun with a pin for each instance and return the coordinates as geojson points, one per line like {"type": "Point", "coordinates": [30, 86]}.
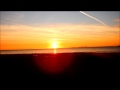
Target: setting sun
{"type": "Point", "coordinates": [54, 45]}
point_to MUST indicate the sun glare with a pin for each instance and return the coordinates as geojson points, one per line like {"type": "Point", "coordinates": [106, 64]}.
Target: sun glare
{"type": "Point", "coordinates": [54, 45]}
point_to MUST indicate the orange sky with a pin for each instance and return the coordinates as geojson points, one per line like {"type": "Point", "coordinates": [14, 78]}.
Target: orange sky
{"type": "Point", "coordinates": [26, 37]}
{"type": "Point", "coordinates": [39, 30]}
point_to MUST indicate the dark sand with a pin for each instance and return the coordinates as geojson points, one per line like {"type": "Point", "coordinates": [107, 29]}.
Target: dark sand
{"type": "Point", "coordinates": [85, 67]}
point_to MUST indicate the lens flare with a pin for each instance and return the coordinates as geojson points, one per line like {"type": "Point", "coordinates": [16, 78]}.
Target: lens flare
{"type": "Point", "coordinates": [53, 64]}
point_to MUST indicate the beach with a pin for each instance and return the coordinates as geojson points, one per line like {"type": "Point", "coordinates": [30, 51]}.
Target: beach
{"type": "Point", "coordinates": [68, 66]}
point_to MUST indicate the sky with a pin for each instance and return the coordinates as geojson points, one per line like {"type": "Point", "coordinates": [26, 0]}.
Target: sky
{"type": "Point", "coordinates": [58, 29]}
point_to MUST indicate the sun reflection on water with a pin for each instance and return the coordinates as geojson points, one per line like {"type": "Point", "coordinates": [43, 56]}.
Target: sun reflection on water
{"type": "Point", "coordinates": [55, 51]}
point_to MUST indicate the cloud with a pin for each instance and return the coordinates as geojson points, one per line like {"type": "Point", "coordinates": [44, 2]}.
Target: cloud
{"type": "Point", "coordinates": [93, 18]}
{"type": "Point", "coordinates": [117, 20]}
{"type": "Point", "coordinates": [60, 31]}
{"type": "Point", "coordinates": [117, 26]}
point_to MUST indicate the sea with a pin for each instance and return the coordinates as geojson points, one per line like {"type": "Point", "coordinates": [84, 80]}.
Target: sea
{"type": "Point", "coordinates": [63, 50]}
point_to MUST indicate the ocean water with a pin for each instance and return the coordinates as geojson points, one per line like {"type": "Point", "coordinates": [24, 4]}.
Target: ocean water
{"type": "Point", "coordinates": [68, 50]}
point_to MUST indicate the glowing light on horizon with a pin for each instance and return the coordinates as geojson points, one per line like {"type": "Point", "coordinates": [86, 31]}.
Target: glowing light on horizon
{"type": "Point", "coordinates": [54, 45]}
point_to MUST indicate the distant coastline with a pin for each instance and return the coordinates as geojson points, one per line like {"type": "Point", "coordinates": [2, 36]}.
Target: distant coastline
{"type": "Point", "coordinates": [97, 47]}
{"type": "Point", "coordinates": [67, 48]}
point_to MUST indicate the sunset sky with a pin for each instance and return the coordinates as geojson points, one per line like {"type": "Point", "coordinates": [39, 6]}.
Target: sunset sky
{"type": "Point", "coordinates": [58, 29]}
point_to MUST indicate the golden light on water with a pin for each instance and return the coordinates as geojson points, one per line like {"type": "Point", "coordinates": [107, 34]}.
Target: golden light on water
{"type": "Point", "coordinates": [55, 51]}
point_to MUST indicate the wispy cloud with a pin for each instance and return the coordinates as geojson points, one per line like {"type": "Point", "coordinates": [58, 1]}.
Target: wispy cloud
{"type": "Point", "coordinates": [117, 20]}
{"type": "Point", "coordinates": [93, 18]}
{"type": "Point", "coordinates": [62, 31]}
{"type": "Point", "coordinates": [117, 26]}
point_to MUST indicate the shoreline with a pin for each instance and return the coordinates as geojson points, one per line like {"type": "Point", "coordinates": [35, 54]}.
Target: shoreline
{"type": "Point", "coordinates": [82, 66]}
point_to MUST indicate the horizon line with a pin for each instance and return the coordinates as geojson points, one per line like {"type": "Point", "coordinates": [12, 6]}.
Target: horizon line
{"type": "Point", "coordinates": [64, 48]}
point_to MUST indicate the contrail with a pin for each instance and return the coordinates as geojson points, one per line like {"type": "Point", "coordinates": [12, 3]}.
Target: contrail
{"type": "Point", "coordinates": [93, 18]}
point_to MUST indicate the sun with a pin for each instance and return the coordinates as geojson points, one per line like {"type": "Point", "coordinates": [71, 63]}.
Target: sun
{"type": "Point", "coordinates": [54, 45]}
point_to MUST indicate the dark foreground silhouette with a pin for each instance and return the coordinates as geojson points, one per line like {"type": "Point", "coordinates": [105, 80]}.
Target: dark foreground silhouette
{"type": "Point", "coordinates": [71, 67]}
